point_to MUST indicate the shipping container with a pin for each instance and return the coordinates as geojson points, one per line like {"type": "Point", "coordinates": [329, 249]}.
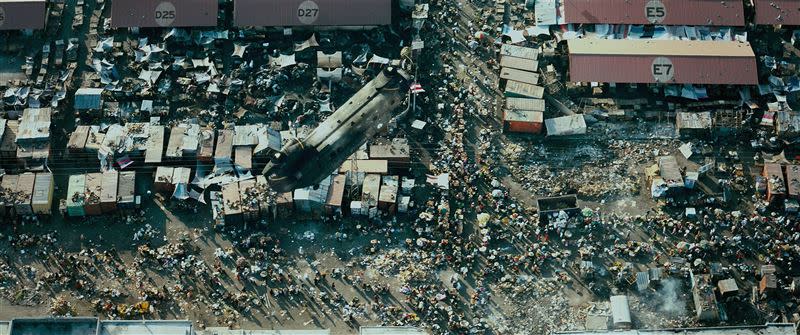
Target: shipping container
{"type": "Point", "coordinates": [523, 64]}
{"type": "Point", "coordinates": [777, 12]}
{"type": "Point", "coordinates": [522, 121]}
{"type": "Point", "coordinates": [162, 179]}
{"type": "Point", "coordinates": [8, 146]}
{"type": "Point", "coordinates": [76, 193]}
{"type": "Point", "coordinates": [24, 194]}
{"type": "Point", "coordinates": [288, 13]}
{"type": "Point", "coordinates": [521, 76]}
{"type": "Point", "coordinates": [207, 138]}
{"type": "Point", "coordinates": [155, 145]}
{"type": "Point", "coordinates": [223, 154]}
{"type": "Point", "coordinates": [77, 140]}
{"type": "Point", "coordinates": [9, 186]}
{"type": "Point", "coordinates": [108, 194]}
{"type": "Point", "coordinates": [387, 201]}
{"type": "Point", "coordinates": [23, 14]}
{"type": "Point", "coordinates": [336, 195]}
{"type": "Point", "coordinates": [302, 200]}
{"type": "Point", "coordinates": [515, 89]}
{"type": "Point", "coordinates": [661, 12]}
{"type": "Point", "coordinates": [510, 50]}
{"type": "Point", "coordinates": [662, 61]}
{"type": "Point", "coordinates": [232, 203]}
{"type": "Point", "coordinates": [776, 184]}
{"type": "Point", "coordinates": [244, 157]}
{"type": "Point", "coordinates": [793, 181]}
{"type": "Point", "coordinates": [126, 190]}
{"type": "Point", "coordinates": [163, 13]}
{"type": "Point", "coordinates": [43, 187]}
{"type": "Point", "coordinates": [370, 191]}
{"type": "Point", "coordinates": [94, 189]}
{"type": "Point", "coordinates": [250, 208]}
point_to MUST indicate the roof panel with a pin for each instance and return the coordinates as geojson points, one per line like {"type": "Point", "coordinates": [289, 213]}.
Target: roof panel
{"type": "Point", "coordinates": [668, 12]}
{"type": "Point", "coordinates": [312, 12]}
{"type": "Point", "coordinates": [22, 14]}
{"type": "Point", "coordinates": [163, 13]}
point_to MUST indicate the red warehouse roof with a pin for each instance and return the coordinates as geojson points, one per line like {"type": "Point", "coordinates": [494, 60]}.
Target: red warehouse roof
{"type": "Point", "coordinates": [662, 61]}
{"type": "Point", "coordinates": [163, 13]}
{"type": "Point", "coordinates": [777, 12]}
{"type": "Point", "coordinates": [669, 12]}
{"type": "Point", "coordinates": [287, 13]}
{"type": "Point", "coordinates": [22, 14]}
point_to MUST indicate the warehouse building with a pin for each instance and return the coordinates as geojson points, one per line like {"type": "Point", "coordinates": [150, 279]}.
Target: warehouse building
{"type": "Point", "coordinates": [23, 14]}
{"type": "Point", "coordinates": [662, 62]}
{"type": "Point", "coordinates": [773, 12]}
{"type": "Point", "coordinates": [666, 12]}
{"type": "Point", "coordinates": [291, 13]}
{"type": "Point", "coordinates": [160, 13]}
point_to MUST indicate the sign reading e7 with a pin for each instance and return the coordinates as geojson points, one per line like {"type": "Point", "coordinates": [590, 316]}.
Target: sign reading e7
{"type": "Point", "coordinates": [662, 70]}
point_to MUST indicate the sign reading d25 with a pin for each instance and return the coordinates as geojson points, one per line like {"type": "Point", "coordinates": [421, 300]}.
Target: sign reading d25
{"type": "Point", "coordinates": [165, 14]}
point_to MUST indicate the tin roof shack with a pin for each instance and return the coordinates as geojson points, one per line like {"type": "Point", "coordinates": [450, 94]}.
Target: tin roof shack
{"type": "Point", "coordinates": [397, 154]}
{"type": "Point", "coordinates": [223, 154]}
{"type": "Point", "coordinates": [9, 190]}
{"type": "Point", "coordinates": [705, 301]}
{"type": "Point", "coordinates": [163, 179]}
{"type": "Point", "coordinates": [108, 194]}
{"type": "Point", "coordinates": [251, 210]}
{"type": "Point", "coordinates": [161, 13]}
{"type": "Point", "coordinates": [77, 139]}
{"type": "Point", "coordinates": [355, 176]}
{"type": "Point", "coordinates": [728, 288]}
{"type": "Point", "coordinates": [621, 312]}
{"type": "Point", "coordinates": [94, 189]}
{"type": "Point", "coordinates": [8, 146]}
{"type": "Point", "coordinates": [23, 14]}
{"type": "Point", "coordinates": [232, 203]}
{"type": "Point", "coordinates": [662, 12]}
{"type": "Point", "coordinates": [670, 172]}
{"type": "Point", "coordinates": [289, 13]}
{"type": "Point", "coordinates": [88, 99]}
{"type": "Point", "coordinates": [776, 185]}
{"type": "Point", "coordinates": [243, 157]}
{"type": "Point", "coordinates": [126, 190]}
{"type": "Point", "coordinates": [54, 326]}
{"type": "Point", "coordinates": [33, 137]}
{"type": "Point", "coordinates": [777, 12]}
{"type": "Point", "coordinates": [550, 208]}
{"type": "Point", "coordinates": [566, 125]}
{"type": "Point", "coordinates": [523, 121]}
{"type": "Point", "coordinates": [207, 138]}
{"type": "Point", "coordinates": [793, 181]}
{"type": "Point", "coordinates": [333, 205]}
{"type": "Point", "coordinates": [693, 123]}
{"type": "Point", "coordinates": [284, 205]}
{"type": "Point", "coordinates": [24, 194]}
{"type": "Point", "coordinates": [787, 124]}
{"type": "Point", "coordinates": [370, 191]}
{"type": "Point", "coordinates": [76, 194]}
{"type": "Point", "coordinates": [184, 139]}
{"type": "Point", "coordinates": [650, 61]}
{"type": "Point", "coordinates": [155, 145]}
{"type": "Point", "coordinates": [42, 200]}
{"type": "Point", "coordinates": [768, 284]}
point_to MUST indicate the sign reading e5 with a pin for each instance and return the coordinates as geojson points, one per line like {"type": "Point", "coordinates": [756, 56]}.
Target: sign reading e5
{"type": "Point", "coordinates": [655, 11]}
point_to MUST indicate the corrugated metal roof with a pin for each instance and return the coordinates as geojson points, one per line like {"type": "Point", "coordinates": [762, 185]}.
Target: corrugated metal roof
{"type": "Point", "coordinates": [88, 98]}
{"type": "Point", "coordinates": [162, 13]}
{"type": "Point", "coordinates": [668, 12]}
{"type": "Point", "coordinates": [676, 62]}
{"type": "Point", "coordinates": [22, 14]}
{"type": "Point", "coordinates": [523, 116]}
{"type": "Point", "coordinates": [777, 12]}
{"type": "Point", "coordinates": [273, 13]}
{"type": "Point", "coordinates": [660, 48]}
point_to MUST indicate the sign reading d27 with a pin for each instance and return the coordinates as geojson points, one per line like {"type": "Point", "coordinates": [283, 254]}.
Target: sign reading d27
{"type": "Point", "coordinates": [308, 12]}
{"type": "Point", "coordinates": [655, 11]}
{"type": "Point", "coordinates": [663, 70]}
{"type": "Point", "coordinates": [165, 14]}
